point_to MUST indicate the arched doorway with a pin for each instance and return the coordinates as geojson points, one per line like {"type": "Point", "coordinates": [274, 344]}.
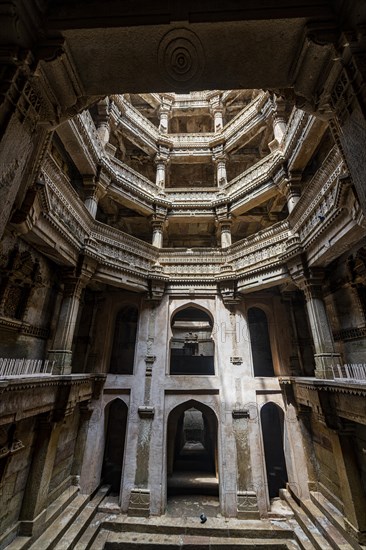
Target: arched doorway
{"type": "Point", "coordinates": [272, 421]}
{"type": "Point", "coordinates": [260, 342]}
{"type": "Point", "coordinates": [192, 467]}
{"type": "Point", "coordinates": [124, 341]}
{"type": "Point", "coordinates": [116, 422]}
{"type": "Point", "coordinates": [191, 345]}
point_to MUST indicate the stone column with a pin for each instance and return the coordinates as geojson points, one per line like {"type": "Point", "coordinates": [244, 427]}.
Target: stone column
{"type": "Point", "coordinates": [217, 110]}
{"type": "Point", "coordinates": [103, 118]}
{"type": "Point", "coordinates": [225, 232]}
{"type": "Point", "coordinates": [62, 344]}
{"type": "Point", "coordinates": [157, 239]}
{"type": "Point", "coordinates": [165, 110]}
{"type": "Point", "coordinates": [161, 166]}
{"type": "Point", "coordinates": [325, 355]}
{"type": "Point", "coordinates": [279, 119]}
{"type": "Point", "coordinates": [35, 502]}
{"type": "Point", "coordinates": [158, 221]}
{"type": "Point", "coordinates": [85, 413]}
{"type": "Point", "coordinates": [220, 159]}
{"type": "Point", "coordinates": [95, 189]}
{"type": "Point", "coordinates": [353, 495]}
{"type": "Point", "coordinates": [293, 191]}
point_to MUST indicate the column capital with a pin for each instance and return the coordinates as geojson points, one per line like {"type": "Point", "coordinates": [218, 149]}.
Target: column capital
{"type": "Point", "coordinates": [310, 281]}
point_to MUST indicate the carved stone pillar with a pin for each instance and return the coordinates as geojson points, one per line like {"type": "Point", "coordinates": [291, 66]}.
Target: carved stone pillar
{"type": "Point", "coordinates": [74, 282]}
{"type": "Point", "coordinates": [158, 222]}
{"type": "Point", "coordinates": [94, 191]}
{"type": "Point", "coordinates": [279, 119]}
{"type": "Point", "coordinates": [165, 110]}
{"type": "Point", "coordinates": [217, 110]}
{"type": "Point", "coordinates": [325, 355]}
{"type": "Point", "coordinates": [293, 191]}
{"type": "Point", "coordinates": [225, 232]}
{"type": "Point", "coordinates": [103, 118]}
{"type": "Point", "coordinates": [220, 159]}
{"type": "Point", "coordinates": [158, 228]}
{"type": "Point", "coordinates": [35, 502]}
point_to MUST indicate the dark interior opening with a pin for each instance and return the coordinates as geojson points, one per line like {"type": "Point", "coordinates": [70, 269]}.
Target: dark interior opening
{"type": "Point", "coordinates": [259, 339]}
{"type": "Point", "coordinates": [114, 445]}
{"type": "Point", "coordinates": [272, 419]}
{"type": "Point", "coordinates": [192, 347]}
{"type": "Point", "coordinates": [192, 451]}
{"type": "Point", "coordinates": [124, 341]}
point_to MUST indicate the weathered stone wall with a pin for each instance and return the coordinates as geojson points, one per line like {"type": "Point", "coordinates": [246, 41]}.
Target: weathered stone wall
{"type": "Point", "coordinates": [27, 300]}
{"type": "Point", "coordinates": [64, 455]}
{"type": "Point", "coordinates": [327, 467]}
{"type": "Point", "coordinates": [14, 477]}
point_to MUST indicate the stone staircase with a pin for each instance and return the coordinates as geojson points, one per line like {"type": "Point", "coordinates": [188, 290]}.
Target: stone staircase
{"type": "Point", "coordinates": [97, 523]}
{"type": "Point", "coordinates": [318, 524]}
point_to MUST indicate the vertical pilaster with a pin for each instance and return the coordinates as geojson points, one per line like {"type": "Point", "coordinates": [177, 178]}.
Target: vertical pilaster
{"type": "Point", "coordinates": [139, 503]}
{"type": "Point", "coordinates": [85, 413]}
{"type": "Point", "coordinates": [35, 497]}
{"type": "Point", "coordinates": [247, 505]}
{"type": "Point", "coordinates": [353, 495]}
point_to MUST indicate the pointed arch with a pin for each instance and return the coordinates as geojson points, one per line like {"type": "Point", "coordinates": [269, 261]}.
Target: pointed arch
{"type": "Point", "coordinates": [273, 425]}
{"type": "Point", "coordinates": [192, 429]}
{"type": "Point", "coordinates": [116, 413]}
{"type": "Point", "coordinates": [191, 344]}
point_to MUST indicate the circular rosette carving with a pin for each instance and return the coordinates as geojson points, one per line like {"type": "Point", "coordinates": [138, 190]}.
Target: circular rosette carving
{"type": "Point", "coordinates": [181, 57]}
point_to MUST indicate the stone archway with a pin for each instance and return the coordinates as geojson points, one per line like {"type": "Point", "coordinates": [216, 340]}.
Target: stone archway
{"type": "Point", "coordinates": [272, 421]}
{"type": "Point", "coordinates": [116, 425]}
{"type": "Point", "coordinates": [192, 464]}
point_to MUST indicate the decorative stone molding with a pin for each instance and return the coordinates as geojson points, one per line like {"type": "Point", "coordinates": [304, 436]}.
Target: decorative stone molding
{"type": "Point", "coordinates": [247, 505]}
{"type": "Point", "coordinates": [139, 503]}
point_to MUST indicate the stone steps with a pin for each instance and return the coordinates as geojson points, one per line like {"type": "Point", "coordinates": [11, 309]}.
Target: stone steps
{"type": "Point", "coordinates": [91, 532]}
{"type": "Point", "coordinates": [134, 541]}
{"type": "Point", "coordinates": [80, 524]}
{"type": "Point", "coordinates": [334, 516]}
{"type": "Point", "coordinates": [318, 529]}
{"type": "Point", "coordinates": [54, 510]}
{"type": "Point", "coordinates": [191, 526]}
{"type": "Point", "coordinates": [67, 526]}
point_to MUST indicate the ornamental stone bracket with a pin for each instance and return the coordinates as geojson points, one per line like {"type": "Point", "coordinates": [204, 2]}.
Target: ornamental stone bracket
{"type": "Point", "coordinates": [149, 360]}
{"type": "Point", "coordinates": [145, 411]}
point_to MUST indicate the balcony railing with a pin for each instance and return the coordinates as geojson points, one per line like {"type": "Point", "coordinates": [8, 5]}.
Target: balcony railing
{"type": "Point", "coordinates": [350, 372]}
{"type": "Point", "coordinates": [21, 367]}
